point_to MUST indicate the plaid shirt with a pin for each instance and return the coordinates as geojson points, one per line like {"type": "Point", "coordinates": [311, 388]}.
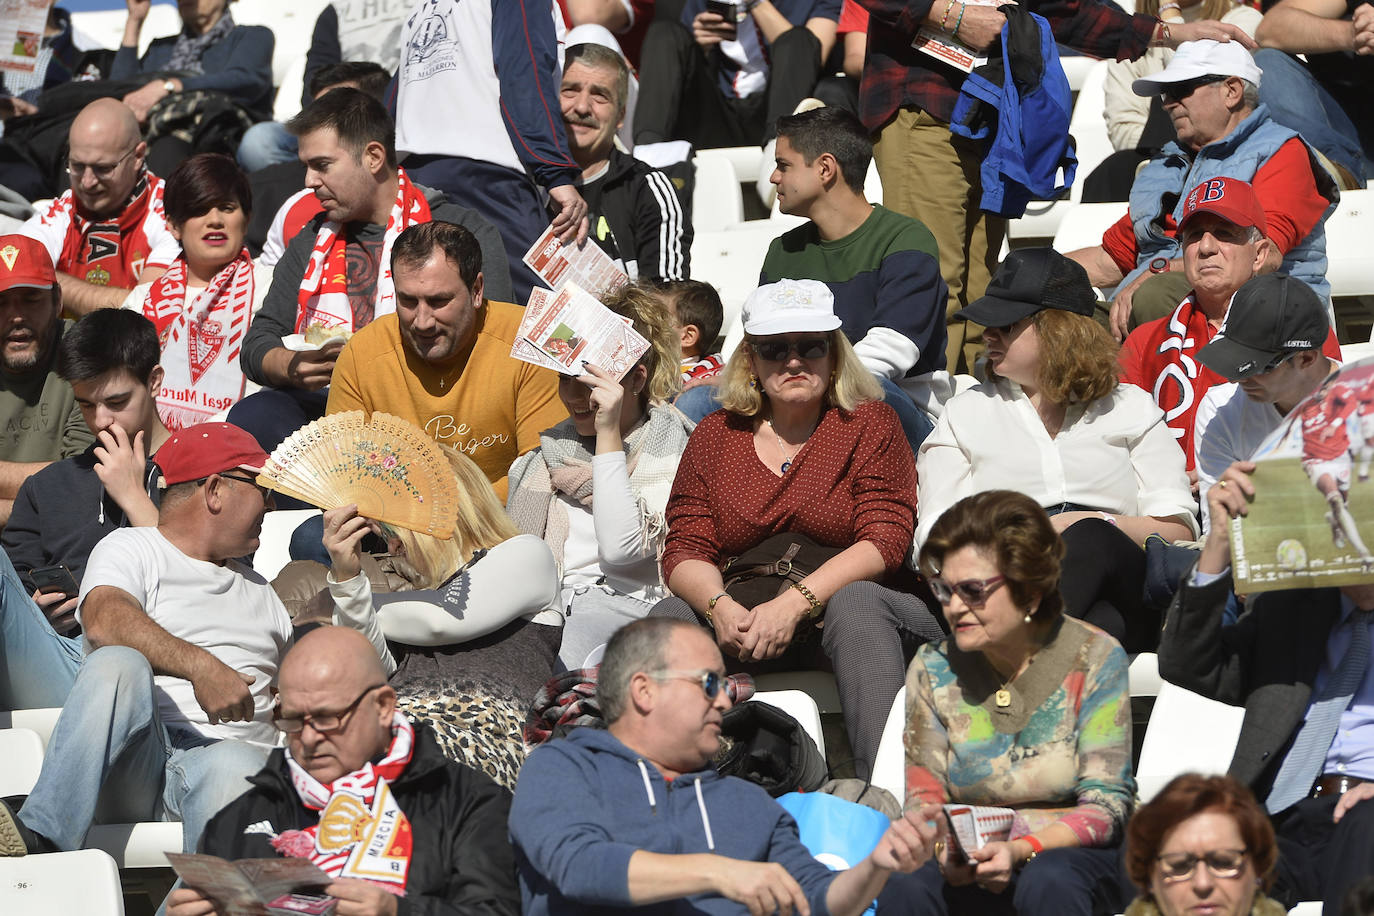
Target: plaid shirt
{"type": "Point", "coordinates": [896, 75]}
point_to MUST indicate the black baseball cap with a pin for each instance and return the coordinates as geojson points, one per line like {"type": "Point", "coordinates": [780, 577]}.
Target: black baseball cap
{"type": "Point", "coordinates": [1269, 317]}
{"type": "Point", "coordinates": [1028, 281]}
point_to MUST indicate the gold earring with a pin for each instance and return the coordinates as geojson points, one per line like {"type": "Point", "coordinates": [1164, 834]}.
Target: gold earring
{"type": "Point", "coordinates": [753, 382]}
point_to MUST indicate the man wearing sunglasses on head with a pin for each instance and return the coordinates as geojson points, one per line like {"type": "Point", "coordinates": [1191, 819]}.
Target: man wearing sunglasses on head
{"type": "Point", "coordinates": [1211, 91]}
{"type": "Point", "coordinates": [637, 816]}
{"type": "Point", "coordinates": [107, 233]}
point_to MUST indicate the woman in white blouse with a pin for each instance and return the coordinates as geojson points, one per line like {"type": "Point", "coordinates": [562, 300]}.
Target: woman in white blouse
{"type": "Point", "coordinates": [1052, 422]}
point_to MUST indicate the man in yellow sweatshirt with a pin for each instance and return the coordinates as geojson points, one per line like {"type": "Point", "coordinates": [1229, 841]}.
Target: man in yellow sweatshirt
{"type": "Point", "coordinates": [443, 359]}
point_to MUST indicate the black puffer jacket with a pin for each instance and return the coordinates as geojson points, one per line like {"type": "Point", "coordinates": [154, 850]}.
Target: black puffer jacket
{"type": "Point", "coordinates": [462, 860]}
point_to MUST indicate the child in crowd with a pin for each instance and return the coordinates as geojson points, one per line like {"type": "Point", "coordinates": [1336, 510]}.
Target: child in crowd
{"type": "Point", "coordinates": [697, 315]}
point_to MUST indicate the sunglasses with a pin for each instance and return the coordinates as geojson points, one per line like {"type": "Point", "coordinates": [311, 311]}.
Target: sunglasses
{"type": "Point", "coordinates": [252, 482]}
{"type": "Point", "coordinates": [777, 351]}
{"type": "Point", "coordinates": [324, 723]}
{"type": "Point", "coordinates": [1177, 92]}
{"type": "Point", "coordinates": [711, 682]}
{"type": "Point", "coordinates": [973, 592]}
{"type": "Point", "coordinates": [1222, 863]}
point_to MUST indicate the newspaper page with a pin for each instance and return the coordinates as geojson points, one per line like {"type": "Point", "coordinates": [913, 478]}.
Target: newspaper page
{"type": "Point", "coordinates": [22, 23]}
{"type": "Point", "coordinates": [943, 46]}
{"type": "Point", "coordinates": [574, 329]}
{"type": "Point", "coordinates": [255, 887]}
{"type": "Point", "coordinates": [589, 267]}
{"type": "Point", "coordinates": [522, 349]}
{"type": "Point", "coordinates": [974, 826]}
{"type": "Point", "coordinates": [1311, 523]}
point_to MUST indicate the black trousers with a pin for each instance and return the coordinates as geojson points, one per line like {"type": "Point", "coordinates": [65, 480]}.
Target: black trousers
{"type": "Point", "coordinates": [1319, 860]}
{"type": "Point", "coordinates": [1102, 580]}
{"type": "Point", "coordinates": [679, 98]}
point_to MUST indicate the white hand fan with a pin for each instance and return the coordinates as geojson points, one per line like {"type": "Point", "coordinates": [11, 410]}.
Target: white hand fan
{"type": "Point", "coordinates": [387, 466]}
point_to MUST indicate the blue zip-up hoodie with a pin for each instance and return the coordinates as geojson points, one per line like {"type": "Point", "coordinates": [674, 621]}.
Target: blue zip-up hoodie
{"type": "Point", "coordinates": [584, 804]}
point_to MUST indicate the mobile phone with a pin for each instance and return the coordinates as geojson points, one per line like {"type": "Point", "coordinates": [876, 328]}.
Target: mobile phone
{"type": "Point", "coordinates": [49, 579]}
{"type": "Point", "coordinates": [727, 11]}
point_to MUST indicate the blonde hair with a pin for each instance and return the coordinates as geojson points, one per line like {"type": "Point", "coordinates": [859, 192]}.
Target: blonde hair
{"type": "Point", "coordinates": [851, 384]}
{"type": "Point", "coordinates": [653, 319]}
{"type": "Point", "coordinates": [482, 524]}
{"type": "Point", "coordinates": [1078, 358]}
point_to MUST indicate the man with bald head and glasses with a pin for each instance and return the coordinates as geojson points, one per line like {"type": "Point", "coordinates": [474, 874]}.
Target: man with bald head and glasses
{"type": "Point", "coordinates": [636, 815]}
{"type": "Point", "coordinates": [421, 828]}
{"type": "Point", "coordinates": [108, 232]}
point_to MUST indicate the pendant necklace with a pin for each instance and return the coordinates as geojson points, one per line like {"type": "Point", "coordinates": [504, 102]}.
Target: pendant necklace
{"type": "Point", "coordinates": [782, 447]}
{"type": "Point", "coordinates": [1003, 695]}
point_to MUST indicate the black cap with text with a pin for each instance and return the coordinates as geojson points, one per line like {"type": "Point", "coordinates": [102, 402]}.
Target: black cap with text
{"type": "Point", "coordinates": [1269, 317]}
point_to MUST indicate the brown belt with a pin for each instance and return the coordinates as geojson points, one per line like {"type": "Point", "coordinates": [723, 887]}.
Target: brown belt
{"type": "Point", "coordinates": [1335, 784]}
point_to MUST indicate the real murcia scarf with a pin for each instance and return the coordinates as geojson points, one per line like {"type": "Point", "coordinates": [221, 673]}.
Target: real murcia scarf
{"type": "Point", "coordinates": [362, 832]}
{"type": "Point", "coordinates": [323, 294]}
{"type": "Point", "coordinates": [201, 333]}
{"type": "Point", "coordinates": [108, 251]}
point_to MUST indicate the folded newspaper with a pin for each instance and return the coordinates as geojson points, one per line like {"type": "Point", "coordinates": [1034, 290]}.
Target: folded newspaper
{"type": "Point", "coordinates": [587, 266]}
{"type": "Point", "coordinates": [974, 826]}
{"type": "Point", "coordinates": [257, 887]}
{"type": "Point", "coordinates": [567, 329]}
{"type": "Point", "coordinates": [1311, 523]}
{"type": "Point", "coordinates": [22, 23]}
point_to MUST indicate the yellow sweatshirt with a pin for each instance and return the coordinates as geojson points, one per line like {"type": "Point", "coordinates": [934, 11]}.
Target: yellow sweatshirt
{"type": "Point", "coordinates": [487, 404]}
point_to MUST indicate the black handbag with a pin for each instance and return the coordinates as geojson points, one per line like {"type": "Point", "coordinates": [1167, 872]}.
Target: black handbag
{"type": "Point", "coordinates": [765, 571]}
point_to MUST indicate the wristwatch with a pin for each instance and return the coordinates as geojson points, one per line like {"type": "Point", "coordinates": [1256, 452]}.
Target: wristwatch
{"type": "Point", "coordinates": [1159, 266]}
{"type": "Point", "coordinates": [169, 86]}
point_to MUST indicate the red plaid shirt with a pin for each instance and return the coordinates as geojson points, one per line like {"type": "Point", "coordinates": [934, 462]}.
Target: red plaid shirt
{"type": "Point", "coordinates": [896, 75]}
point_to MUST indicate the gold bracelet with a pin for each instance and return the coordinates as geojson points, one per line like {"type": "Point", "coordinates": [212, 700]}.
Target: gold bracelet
{"type": "Point", "coordinates": [711, 605]}
{"type": "Point", "coordinates": [816, 606]}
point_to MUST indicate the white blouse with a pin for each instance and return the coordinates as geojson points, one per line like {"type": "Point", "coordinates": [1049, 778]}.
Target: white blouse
{"type": "Point", "coordinates": [1116, 455]}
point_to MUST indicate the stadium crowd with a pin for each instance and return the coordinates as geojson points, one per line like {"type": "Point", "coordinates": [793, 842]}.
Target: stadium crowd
{"type": "Point", "coordinates": [983, 478]}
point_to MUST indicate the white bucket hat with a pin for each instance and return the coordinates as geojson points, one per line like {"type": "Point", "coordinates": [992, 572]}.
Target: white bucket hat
{"type": "Point", "coordinates": [788, 307]}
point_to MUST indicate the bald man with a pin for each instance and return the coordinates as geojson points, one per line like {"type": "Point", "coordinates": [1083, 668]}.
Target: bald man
{"type": "Point", "coordinates": [108, 232]}
{"type": "Point", "coordinates": [429, 834]}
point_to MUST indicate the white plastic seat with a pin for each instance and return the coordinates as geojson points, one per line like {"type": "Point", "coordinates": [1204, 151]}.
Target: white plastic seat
{"type": "Point", "coordinates": [1187, 733]}
{"type": "Point", "coordinates": [1083, 224]}
{"type": "Point", "coordinates": [819, 685]}
{"type": "Point", "coordinates": [1144, 675]}
{"type": "Point", "coordinates": [141, 845]}
{"type": "Point", "coordinates": [730, 261]}
{"type": "Point", "coordinates": [22, 752]}
{"type": "Point", "coordinates": [1349, 269]}
{"type": "Point", "coordinates": [274, 543]}
{"type": "Point", "coordinates": [889, 769]}
{"type": "Point", "coordinates": [38, 721]}
{"type": "Point", "coordinates": [799, 706]}
{"type": "Point", "coordinates": [717, 201]}
{"type": "Point", "coordinates": [84, 882]}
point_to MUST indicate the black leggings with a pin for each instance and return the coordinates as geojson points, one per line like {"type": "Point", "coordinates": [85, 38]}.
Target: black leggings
{"type": "Point", "coordinates": [1103, 582]}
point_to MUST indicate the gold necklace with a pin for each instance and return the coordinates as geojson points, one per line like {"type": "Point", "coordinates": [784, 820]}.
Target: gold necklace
{"type": "Point", "coordinates": [1003, 695]}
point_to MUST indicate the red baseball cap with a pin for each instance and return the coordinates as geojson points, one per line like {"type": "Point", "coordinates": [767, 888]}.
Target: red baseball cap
{"type": "Point", "coordinates": [208, 448]}
{"type": "Point", "coordinates": [25, 262]}
{"type": "Point", "coordinates": [1230, 198]}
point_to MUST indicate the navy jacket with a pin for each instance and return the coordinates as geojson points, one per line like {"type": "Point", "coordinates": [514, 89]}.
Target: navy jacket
{"type": "Point", "coordinates": [240, 66]}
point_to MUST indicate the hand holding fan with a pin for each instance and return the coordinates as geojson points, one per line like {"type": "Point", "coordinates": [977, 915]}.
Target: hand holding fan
{"type": "Point", "coordinates": [386, 466]}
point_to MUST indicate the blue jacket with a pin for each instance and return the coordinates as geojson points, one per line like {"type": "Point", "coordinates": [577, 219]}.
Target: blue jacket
{"type": "Point", "coordinates": [1165, 181]}
{"type": "Point", "coordinates": [240, 66]}
{"type": "Point", "coordinates": [584, 804]}
{"type": "Point", "coordinates": [1028, 94]}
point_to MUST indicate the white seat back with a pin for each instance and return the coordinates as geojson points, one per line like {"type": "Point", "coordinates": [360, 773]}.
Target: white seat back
{"type": "Point", "coordinates": [1187, 733]}
{"type": "Point", "coordinates": [1349, 269]}
{"type": "Point", "coordinates": [800, 707]}
{"type": "Point", "coordinates": [889, 770]}
{"type": "Point", "coordinates": [85, 881]}
{"type": "Point", "coordinates": [1083, 225]}
{"type": "Point", "coordinates": [39, 721]}
{"type": "Point", "coordinates": [274, 543]}
{"type": "Point", "coordinates": [717, 201]}
{"type": "Point", "coordinates": [22, 752]}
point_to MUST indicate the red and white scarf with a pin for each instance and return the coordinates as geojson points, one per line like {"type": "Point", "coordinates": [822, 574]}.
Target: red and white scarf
{"type": "Point", "coordinates": [201, 334]}
{"type": "Point", "coordinates": [323, 295]}
{"type": "Point", "coordinates": [362, 832]}
{"type": "Point", "coordinates": [112, 251]}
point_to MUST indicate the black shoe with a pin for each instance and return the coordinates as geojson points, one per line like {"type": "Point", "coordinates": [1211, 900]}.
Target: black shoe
{"type": "Point", "coordinates": [15, 838]}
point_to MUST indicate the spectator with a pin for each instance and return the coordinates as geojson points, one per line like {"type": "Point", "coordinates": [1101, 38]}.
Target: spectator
{"type": "Point", "coordinates": [223, 70]}
{"type": "Point", "coordinates": [579, 801]}
{"type": "Point", "coordinates": [1325, 99]}
{"type": "Point", "coordinates": [492, 67]}
{"type": "Point", "coordinates": [841, 90]}
{"type": "Point", "coordinates": [55, 63]}
{"type": "Point", "coordinates": [1202, 843]}
{"type": "Point", "coordinates": [110, 359]}
{"type": "Point", "coordinates": [883, 268]}
{"type": "Point", "coordinates": [597, 486]}
{"type": "Point", "coordinates": [803, 452]}
{"type": "Point", "coordinates": [203, 305]}
{"type": "Point", "coordinates": [907, 99]}
{"type": "Point", "coordinates": [1269, 350]}
{"type": "Point", "coordinates": [1222, 232]}
{"type": "Point", "coordinates": [633, 209]}
{"type": "Point", "coordinates": [42, 420]}
{"type": "Point", "coordinates": [107, 233]}
{"type": "Point", "coordinates": [1052, 742]}
{"type": "Point", "coordinates": [1052, 422]}
{"type": "Point", "coordinates": [628, 20]}
{"type": "Point", "coordinates": [347, 144]}
{"type": "Point", "coordinates": [167, 600]}
{"type": "Point", "coordinates": [443, 360]}
{"type": "Point", "coordinates": [447, 822]}
{"type": "Point", "coordinates": [1303, 747]}
{"type": "Point", "coordinates": [473, 631]}
{"type": "Point", "coordinates": [697, 314]}
{"type": "Point", "coordinates": [1209, 89]}
{"type": "Point", "coordinates": [719, 83]}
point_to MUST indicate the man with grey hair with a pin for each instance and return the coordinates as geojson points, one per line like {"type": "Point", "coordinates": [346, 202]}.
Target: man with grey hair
{"type": "Point", "coordinates": [1211, 91]}
{"type": "Point", "coordinates": [636, 815]}
{"type": "Point", "coordinates": [633, 210]}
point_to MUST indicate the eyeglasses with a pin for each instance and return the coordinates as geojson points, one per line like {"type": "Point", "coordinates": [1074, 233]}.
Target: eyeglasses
{"type": "Point", "coordinates": [711, 682]}
{"type": "Point", "coordinates": [265, 493]}
{"type": "Point", "coordinates": [324, 723]}
{"type": "Point", "coordinates": [1177, 92]}
{"type": "Point", "coordinates": [101, 170]}
{"type": "Point", "coordinates": [1222, 863]}
{"type": "Point", "coordinates": [973, 592]}
{"type": "Point", "coordinates": [777, 351]}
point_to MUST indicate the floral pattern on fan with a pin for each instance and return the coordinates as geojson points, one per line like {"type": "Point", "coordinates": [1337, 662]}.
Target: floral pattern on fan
{"type": "Point", "coordinates": [382, 463]}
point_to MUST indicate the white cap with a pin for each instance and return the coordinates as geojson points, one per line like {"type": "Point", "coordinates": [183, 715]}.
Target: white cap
{"type": "Point", "coordinates": [1205, 57]}
{"type": "Point", "coordinates": [790, 306]}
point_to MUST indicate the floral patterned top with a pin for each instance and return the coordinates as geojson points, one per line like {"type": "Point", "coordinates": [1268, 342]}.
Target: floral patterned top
{"type": "Point", "coordinates": [1061, 751]}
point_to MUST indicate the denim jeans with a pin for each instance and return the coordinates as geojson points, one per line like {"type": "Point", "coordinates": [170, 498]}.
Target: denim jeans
{"type": "Point", "coordinates": [111, 759]}
{"type": "Point", "coordinates": [266, 144]}
{"type": "Point", "coordinates": [37, 664]}
{"type": "Point", "coordinates": [1297, 101]}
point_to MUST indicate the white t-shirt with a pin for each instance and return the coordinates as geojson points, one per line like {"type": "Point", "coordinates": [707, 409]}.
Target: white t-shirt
{"type": "Point", "coordinates": [1228, 427]}
{"type": "Point", "coordinates": [230, 611]}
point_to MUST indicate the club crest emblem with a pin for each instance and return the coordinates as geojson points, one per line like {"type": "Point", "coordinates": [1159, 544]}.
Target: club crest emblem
{"type": "Point", "coordinates": [9, 254]}
{"type": "Point", "coordinates": [203, 343]}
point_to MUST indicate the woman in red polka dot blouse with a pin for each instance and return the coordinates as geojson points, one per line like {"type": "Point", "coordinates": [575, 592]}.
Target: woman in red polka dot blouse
{"type": "Point", "coordinates": [804, 446]}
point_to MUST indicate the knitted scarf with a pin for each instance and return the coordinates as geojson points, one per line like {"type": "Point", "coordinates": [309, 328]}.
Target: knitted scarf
{"type": "Point", "coordinates": [200, 338]}
{"type": "Point", "coordinates": [189, 49]}
{"type": "Point", "coordinates": [107, 251]}
{"type": "Point", "coordinates": [562, 464]}
{"type": "Point", "coordinates": [362, 832]}
{"type": "Point", "coordinates": [323, 294]}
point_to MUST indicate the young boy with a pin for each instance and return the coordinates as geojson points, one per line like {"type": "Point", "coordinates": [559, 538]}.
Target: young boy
{"type": "Point", "coordinates": [698, 315]}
